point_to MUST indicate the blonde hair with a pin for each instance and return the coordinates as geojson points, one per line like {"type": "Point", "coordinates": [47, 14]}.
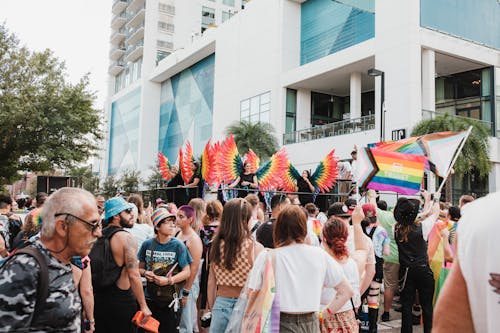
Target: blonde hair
{"type": "Point", "coordinates": [199, 207]}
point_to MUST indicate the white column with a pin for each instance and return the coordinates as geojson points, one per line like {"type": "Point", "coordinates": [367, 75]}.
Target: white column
{"type": "Point", "coordinates": [303, 119]}
{"type": "Point", "coordinates": [355, 95]}
{"type": "Point", "coordinates": [428, 80]}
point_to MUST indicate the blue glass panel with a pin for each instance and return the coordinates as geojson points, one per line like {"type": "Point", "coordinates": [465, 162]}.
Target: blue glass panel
{"type": "Point", "coordinates": [477, 21]}
{"type": "Point", "coordinates": [186, 109]}
{"type": "Point", "coordinates": [124, 132]}
{"type": "Point", "coordinates": [330, 26]}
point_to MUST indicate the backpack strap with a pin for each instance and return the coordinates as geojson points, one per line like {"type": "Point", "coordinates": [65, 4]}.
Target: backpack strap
{"type": "Point", "coordinates": [372, 232]}
{"type": "Point", "coordinates": [42, 290]}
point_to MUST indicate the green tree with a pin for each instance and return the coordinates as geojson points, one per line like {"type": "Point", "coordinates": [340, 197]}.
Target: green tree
{"type": "Point", "coordinates": [259, 137]}
{"type": "Point", "coordinates": [110, 186]}
{"type": "Point", "coordinates": [46, 122]}
{"type": "Point", "coordinates": [86, 178]}
{"type": "Point", "coordinates": [474, 155]}
{"type": "Point", "coordinates": [155, 180]}
{"type": "Point", "coordinates": [129, 181]}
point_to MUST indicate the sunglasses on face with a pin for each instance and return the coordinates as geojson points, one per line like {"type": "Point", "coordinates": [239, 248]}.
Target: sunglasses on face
{"type": "Point", "coordinates": [93, 226]}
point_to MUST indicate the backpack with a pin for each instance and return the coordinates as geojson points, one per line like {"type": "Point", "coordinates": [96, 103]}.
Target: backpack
{"type": "Point", "coordinates": [105, 271]}
{"type": "Point", "coordinates": [42, 290]}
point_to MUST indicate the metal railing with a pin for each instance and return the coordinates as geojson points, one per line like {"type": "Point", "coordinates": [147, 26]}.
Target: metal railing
{"type": "Point", "coordinates": [429, 114]}
{"type": "Point", "coordinates": [348, 126]}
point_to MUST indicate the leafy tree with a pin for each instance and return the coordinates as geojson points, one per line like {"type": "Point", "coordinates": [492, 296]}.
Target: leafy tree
{"type": "Point", "coordinates": [155, 180]}
{"type": "Point", "coordinates": [259, 137]}
{"type": "Point", "coordinates": [86, 178]}
{"type": "Point", "coordinates": [110, 186]}
{"type": "Point", "coordinates": [474, 155]}
{"type": "Point", "coordinates": [129, 181]}
{"type": "Point", "coordinates": [46, 122]}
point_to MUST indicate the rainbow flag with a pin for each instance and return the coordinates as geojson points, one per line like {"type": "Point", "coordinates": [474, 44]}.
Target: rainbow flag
{"type": "Point", "coordinates": [401, 173]}
{"type": "Point", "coordinates": [366, 167]}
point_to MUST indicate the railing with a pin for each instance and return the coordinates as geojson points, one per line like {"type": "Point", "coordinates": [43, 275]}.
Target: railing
{"type": "Point", "coordinates": [123, 15]}
{"type": "Point", "coordinates": [429, 114]}
{"type": "Point", "coordinates": [137, 11]}
{"type": "Point", "coordinates": [132, 48]}
{"type": "Point", "coordinates": [120, 48]}
{"type": "Point", "coordinates": [349, 126]}
{"type": "Point", "coordinates": [132, 31]}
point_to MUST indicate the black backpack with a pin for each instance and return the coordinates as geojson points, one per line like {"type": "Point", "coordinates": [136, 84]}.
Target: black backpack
{"type": "Point", "coordinates": [105, 271]}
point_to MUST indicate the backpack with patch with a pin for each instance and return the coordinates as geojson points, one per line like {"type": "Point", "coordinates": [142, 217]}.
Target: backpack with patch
{"type": "Point", "coordinates": [105, 271]}
{"type": "Point", "coordinates": [42, 290]}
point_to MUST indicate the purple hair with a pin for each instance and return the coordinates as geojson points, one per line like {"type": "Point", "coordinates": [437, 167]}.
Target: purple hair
{"type": "Point", "coordinates": [188, 210]}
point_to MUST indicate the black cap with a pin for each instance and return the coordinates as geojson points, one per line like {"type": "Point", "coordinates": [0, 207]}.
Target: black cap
{"type": "Point", "coordinates": [338, 209]}
{"type": "Point", "coordinates": [406, 210]}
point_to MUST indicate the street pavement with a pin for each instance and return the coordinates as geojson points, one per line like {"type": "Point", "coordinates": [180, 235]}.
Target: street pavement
{"type": "Point", "coordinates": [394, 325]}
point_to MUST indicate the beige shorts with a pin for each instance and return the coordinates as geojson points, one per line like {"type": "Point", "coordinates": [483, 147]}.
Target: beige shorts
{"type": "Point", "coordinates": [391, 275]}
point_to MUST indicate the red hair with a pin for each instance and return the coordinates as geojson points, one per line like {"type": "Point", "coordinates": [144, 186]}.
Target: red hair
{"type": "Point", "coordinates": [335, 233]}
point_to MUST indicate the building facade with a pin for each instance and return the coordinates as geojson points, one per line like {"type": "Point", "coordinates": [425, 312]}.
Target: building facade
{"type": "Point", "coordinates": [314, 70]}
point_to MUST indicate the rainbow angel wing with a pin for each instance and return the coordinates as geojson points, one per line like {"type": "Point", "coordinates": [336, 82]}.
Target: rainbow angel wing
{"type": "Point", "coordinates": [230, 161]}
{"type": "Point", "coordinates": [164, 166]}
{"type": "Point", "coordinates": [270, 175]}
{"type": "Point", "coordinates": [253, 159]}
{"type": "Point", "coordinates": [215, 153]}
{"type": "Point", "coordinates": [325, 175]}
{"type": "Point", "coordinates": [290, 178]}
{"type": "Point", "coordinates": [186, 165]}
{"type": "Point", "coordinates": [205, 163]}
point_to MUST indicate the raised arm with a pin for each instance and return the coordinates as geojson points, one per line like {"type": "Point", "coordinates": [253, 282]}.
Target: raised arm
{"type": "Point", "coordinates": [132, 266]}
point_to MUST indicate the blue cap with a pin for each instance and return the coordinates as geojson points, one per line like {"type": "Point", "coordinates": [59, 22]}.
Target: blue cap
{"type": "Point", "coordinates": [115, 206]}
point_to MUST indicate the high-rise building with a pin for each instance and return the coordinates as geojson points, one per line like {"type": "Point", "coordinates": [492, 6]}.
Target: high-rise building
{"type": "Point", "coordinates": [326, 74]}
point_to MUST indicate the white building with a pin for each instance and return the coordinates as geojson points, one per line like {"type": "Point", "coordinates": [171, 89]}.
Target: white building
{"type": "Point", "coordinates": [302, 65]}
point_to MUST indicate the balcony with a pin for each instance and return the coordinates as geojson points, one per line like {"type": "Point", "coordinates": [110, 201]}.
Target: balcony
{"type": "Point", "coordinates": [349, 126]}
{"type": "Point", "coordinates": [135, 34]}
{"type": "Point", "coordinates": [134, 4]}
{"type": "Point", "coordinates": [136, 17]}
{"type": "Point", "coordinates": [118, 36]}
{"type": "Point", "coordinates": [428, 114]}
{"type": "Point", "coordinates": [119, 6]}
{"type": "Point", "coordinates": [116, 67]}
{"type": "Point", "coordinates": [118, 21]}
{"type": "Point", "coordinates": [134, 52]}
{"type": "Point", "coordinates": [117, 52]}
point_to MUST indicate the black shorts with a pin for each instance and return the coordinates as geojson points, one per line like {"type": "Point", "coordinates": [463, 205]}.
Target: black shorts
{"type": "Point", "coordinates": [379, 270]}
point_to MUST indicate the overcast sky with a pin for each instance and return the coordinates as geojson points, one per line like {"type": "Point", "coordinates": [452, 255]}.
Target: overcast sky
{"type": "Point", "coordinates": [77, 31]}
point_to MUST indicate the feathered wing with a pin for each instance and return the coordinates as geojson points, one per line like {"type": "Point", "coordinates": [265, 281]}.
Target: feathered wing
{"type": "Point", "coordinates": [290, 178]}
{"type": "Point", "coordinates": [325, 175]}
{"type": "Point", "coordinates": [187, 163]}
{"type": "Point", "coordinates": [215, 153]}
{"type": "Point", "coordinates": [270, 175]}
{"type": "Point", "coordinates": [206, 166]}
{"type": "Point", "coordinates": [230, 161]}
{"type": "Point", "coordinates": [253, 159]}
{"type": "Point", "coordinates": [164, 166]}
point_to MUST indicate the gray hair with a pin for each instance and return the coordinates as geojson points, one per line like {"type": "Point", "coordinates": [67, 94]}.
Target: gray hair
{"type": "Point", "coordinates": [65, 200]}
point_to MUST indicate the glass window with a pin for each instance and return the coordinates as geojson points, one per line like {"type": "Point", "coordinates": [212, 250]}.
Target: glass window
{"type": "Point", "coordinates": [291, 110]}
{"type": "Point", "coordinates": [256, 108]}
{"type": "Point", "coordinates": [228, 2]}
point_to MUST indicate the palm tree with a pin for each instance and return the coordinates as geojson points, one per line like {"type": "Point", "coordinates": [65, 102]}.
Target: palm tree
{"type": "Point", "coordinates": [474, 155]}
{"type": "Point", "coordinates": [258, 136]}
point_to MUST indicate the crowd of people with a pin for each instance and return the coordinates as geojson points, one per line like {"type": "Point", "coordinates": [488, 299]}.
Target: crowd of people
{"type": "Point", "coordinates": [77, 262]}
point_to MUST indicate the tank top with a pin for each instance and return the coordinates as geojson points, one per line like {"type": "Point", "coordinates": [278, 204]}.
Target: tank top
{"type": "Point", "coordinates": [237, 276]}
{"type": "Point", "coordinates": [413, 252]}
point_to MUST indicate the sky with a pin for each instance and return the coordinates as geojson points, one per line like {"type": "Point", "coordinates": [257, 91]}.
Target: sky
{"type": "Point", "coordinates": [77, 31]}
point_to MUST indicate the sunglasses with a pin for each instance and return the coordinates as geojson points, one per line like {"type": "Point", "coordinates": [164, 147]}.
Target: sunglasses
{"type": "Point", "coordinates": [93, 226]}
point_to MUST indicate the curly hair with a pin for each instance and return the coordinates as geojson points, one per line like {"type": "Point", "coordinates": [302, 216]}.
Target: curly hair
{"type": "Point", "coordinates": [335, 234]}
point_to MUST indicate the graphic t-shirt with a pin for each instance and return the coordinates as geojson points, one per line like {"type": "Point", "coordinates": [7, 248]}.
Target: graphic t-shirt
{"type": "Point", "coordinates": [379, 238]}
{"type": "Point", "coordinates": [160, 258]}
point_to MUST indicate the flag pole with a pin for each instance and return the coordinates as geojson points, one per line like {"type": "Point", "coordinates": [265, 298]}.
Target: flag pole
{"type": "Point", "coordinates": [457, 153]}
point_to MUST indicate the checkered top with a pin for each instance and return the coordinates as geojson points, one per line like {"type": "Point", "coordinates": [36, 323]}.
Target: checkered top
{"type": "Point", "coordinates": [236, 277]}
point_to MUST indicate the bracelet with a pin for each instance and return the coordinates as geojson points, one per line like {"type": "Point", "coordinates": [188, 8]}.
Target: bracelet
{"type": "Point", "coordinates": [90, 321]}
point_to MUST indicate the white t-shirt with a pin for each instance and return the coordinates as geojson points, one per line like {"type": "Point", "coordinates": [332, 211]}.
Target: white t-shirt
{"type": "Point", "coordinates": [141, 232]}
{"type": "Point", "coordinates": [351, 273]}
{"type": "Point", "coordinates": [478, 249]}
{"type": "Point", "coordinates": [302, 271]}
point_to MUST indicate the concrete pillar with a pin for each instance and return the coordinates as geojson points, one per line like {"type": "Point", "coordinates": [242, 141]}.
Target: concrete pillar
{"type": "Point", "coordinates": [355, 95]}
{"type": "Point", "coordinates": [428, 80]}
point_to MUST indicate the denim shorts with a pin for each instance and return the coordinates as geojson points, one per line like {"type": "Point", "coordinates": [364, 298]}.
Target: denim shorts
{"type": "Point", "coordinates": [189, 315]}
{"type": "Point", "coordinates": [221, 313]}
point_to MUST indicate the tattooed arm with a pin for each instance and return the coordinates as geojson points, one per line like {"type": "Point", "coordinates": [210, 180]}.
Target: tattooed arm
{"type": "Point", "coordinates": [132, 266]}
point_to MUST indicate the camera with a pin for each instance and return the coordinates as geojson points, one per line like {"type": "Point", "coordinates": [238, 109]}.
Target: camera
{"type": "Point", "coordinates": [206, 319]}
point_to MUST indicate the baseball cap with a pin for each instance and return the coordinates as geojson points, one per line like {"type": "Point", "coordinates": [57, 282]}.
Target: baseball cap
{"type": "Point", "coordinates": [338, 209]}
{"type": "Point", "coordinates": [370, 212]}
{"type": "Point", "coordinates": [115, 206]}
{"type": "Point", "coordinates": [159, 215]}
